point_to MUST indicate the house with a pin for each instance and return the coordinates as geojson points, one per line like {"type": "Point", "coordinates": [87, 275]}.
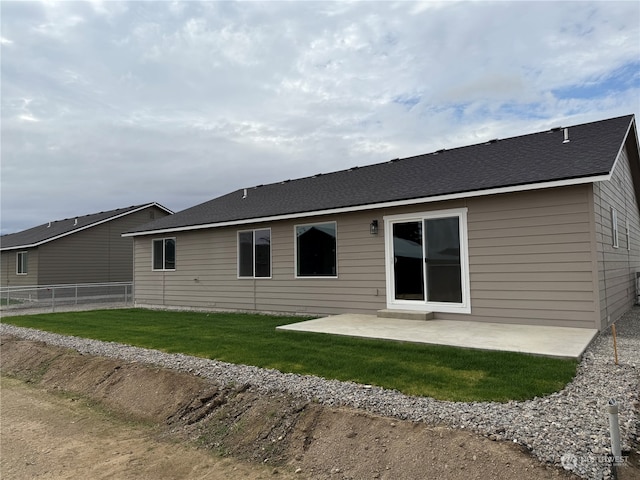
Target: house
{"type": "Point", "coordinates": [540, 229]}
{"type": "Point", "coordinates": [85, 249]}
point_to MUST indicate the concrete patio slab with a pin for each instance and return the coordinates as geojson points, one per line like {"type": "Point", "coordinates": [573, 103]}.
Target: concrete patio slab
{"type": "Point", "coordinates": [536, 340]}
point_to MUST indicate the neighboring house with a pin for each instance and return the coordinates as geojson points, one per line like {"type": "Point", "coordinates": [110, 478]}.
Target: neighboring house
{"type": "Point", "coordinates": [86, 249]}
{"type": "Point", "coordinates": [537, 229]}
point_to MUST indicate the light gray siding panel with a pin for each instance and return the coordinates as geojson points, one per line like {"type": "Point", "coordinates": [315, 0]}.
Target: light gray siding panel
{"type": "Point", "coordinates": [536, 241]}
{"type": "Point", "coordinates": [95, 254]}
{"type": "Point", "coordinates": [79, 258]}
{"type": "Point", "coordinates": [526, 284]}
{"type": "Point", "coordinates": [523, 267]}
{"type": "Point", "coordinates": [538, 293]}
{"type": "Point", "coordinates": [572, 246]}
{"type": "Point", "coordinates": [553, 229]}
{"type": "Point", "coordinates": [530, 255]}
{"type": "Point", "coordinates": [533, 278]}
{"type": "Point", "coordinates": [148, 286]}
{"type": "Point", "coordinates": [556, 258]}
{"type": "Point", "coordinates": [530, 258]}
{"type": "Point", "coordinates": [211, 256]}
{"type": "Point", "coordinates": [617, 266]}
{"type": "Point", "coordinates": [8, 268]}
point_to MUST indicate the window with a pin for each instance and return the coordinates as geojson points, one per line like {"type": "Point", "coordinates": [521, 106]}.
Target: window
{"type": "Point", "coordinates": [316, 250]}
{"type": "Point", "coordinates": [254, 253]}
{"type": "Point", "coordinates": [614, 227]}
{"type": "Point", "coordinates": [22, 263]}
{"type": "Point", "coordinates": [164, 254]}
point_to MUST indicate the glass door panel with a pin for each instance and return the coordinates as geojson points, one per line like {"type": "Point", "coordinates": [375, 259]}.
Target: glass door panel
{"type": "Point", "coordinates": [444, 280]}
{"type": "Point", "coordinates": [408, 261]}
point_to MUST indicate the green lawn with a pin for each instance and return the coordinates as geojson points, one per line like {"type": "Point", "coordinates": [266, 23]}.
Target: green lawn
{"type": "Point", "coordinates": [446, 373]}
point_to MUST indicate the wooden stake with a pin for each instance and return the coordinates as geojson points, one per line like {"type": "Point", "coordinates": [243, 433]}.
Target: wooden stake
{"type": "Point", "coordinates": [615, 343]}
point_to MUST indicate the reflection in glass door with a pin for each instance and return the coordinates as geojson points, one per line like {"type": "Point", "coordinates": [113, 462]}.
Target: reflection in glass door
{"type": "Point", "coordinates": [408, 261]}
{"type": "Point", "coordinates": [444, 280]}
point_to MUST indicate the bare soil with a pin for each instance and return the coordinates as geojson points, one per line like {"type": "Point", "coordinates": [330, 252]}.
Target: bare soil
{"type": "Point", "coordinates": [51, 436]}
{"type": "Point", "coordinates": [66, 415]}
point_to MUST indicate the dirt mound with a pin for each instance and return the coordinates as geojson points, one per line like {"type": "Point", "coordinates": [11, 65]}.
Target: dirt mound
{"type": "Point", "coordinates": [275, 429]}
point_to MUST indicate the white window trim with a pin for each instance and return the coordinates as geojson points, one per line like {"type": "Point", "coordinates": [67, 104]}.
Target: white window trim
{"type": "Point", "coordinates": [425, 305]}
{"type": "Point", "coordinates": [614, 228]}
{"type": "Point", "coordinates": [163, 254]}
{"type": "Point", "coordinates": [295, 251]}
{"type": "Point", "coordinates": [253, 231]}
{"type": "Point", "coordinates": [19, 263]}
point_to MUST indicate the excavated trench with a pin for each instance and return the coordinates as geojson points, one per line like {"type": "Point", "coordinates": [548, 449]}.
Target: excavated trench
{"type": "Point", "coordinates": [276, 429]}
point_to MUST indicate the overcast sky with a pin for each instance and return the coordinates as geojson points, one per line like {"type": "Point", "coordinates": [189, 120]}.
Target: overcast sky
{"type": "Point", "coordinates": [111, 104]}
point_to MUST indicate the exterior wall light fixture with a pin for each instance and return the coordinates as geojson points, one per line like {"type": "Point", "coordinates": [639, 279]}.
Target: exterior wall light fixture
{"type": "Point", "coordinates": [373, 227]}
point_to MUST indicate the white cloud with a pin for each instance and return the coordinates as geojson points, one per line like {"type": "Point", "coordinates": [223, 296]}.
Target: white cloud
{"type": "Point", "coordinates": [27, 117]}
{"type": "Point", "coordinates": [58, 26]}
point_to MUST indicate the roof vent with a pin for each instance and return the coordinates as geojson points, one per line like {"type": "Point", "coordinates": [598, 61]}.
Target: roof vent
{"type": "Point", "coordinates": [75, 222]}
{"type": "Point", "coordinates": [493, 140]}
{"type": "Point", "coordinates": [244, 194]}
{"type": "Point", "coordinates": [49, 226]}
{"type": "Point", "coordinates": [566, 135]}
{"type": "Point", "coordinates": [440, 151]}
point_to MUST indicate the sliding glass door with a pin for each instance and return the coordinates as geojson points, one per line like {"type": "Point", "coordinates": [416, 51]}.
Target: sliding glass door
{"type": "Point", "coordinates": [427, 259]}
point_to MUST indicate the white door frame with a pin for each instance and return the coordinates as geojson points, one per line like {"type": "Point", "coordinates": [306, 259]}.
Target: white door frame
{"type": "Point", "coordinates": [425, 305]}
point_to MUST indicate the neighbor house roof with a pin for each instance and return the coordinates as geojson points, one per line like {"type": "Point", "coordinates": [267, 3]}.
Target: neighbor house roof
{"type": "Point", "coordinates": [538, 160]}
{"type": "Point", "coordinates": [50, 231]}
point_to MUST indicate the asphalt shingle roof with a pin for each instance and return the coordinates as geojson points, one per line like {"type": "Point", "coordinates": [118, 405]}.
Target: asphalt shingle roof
{"type": "Point", "coordinates": [528, 159]}
{"type": "Point", "coordinates": [48, 231]}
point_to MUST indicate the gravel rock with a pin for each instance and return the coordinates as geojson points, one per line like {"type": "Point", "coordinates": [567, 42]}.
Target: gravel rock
{"type": "Point", "coordinates": [569, 428]}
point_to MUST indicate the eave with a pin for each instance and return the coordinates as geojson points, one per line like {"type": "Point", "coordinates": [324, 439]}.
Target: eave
{"type": "Point", "coordinates": [375, 206]}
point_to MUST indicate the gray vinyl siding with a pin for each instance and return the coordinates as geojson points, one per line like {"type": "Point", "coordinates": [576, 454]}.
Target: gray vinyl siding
{"type": "Point", "coordinates": [97, 254]}
{"type": "Point", "coordinates": [530, 259]}
{"type": "Point", "coordinates": [78, 258]}
{"type": "Point", "coordinates": [617, 267]}
{"type": "Point", "coordinates": [530, 255]}
{"type": "Point", "coordinates": [8, 267]}
{"type": "Point", "coordinates": [206, 273]}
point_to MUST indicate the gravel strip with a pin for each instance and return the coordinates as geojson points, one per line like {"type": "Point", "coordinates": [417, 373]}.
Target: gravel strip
{"type": "Point", "coordinates": [568, 428]}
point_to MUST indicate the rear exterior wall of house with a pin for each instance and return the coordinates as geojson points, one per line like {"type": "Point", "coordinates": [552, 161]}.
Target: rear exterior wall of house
{"type": "Point", "coordinates": [531, 261]}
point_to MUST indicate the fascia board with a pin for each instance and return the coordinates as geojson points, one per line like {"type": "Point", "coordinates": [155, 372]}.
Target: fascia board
{"type": "Point", "coordinates": [624, 142]}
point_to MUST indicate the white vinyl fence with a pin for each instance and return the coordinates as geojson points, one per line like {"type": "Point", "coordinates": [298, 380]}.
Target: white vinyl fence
{"type": "Point", "coordinates": [51, 296]}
